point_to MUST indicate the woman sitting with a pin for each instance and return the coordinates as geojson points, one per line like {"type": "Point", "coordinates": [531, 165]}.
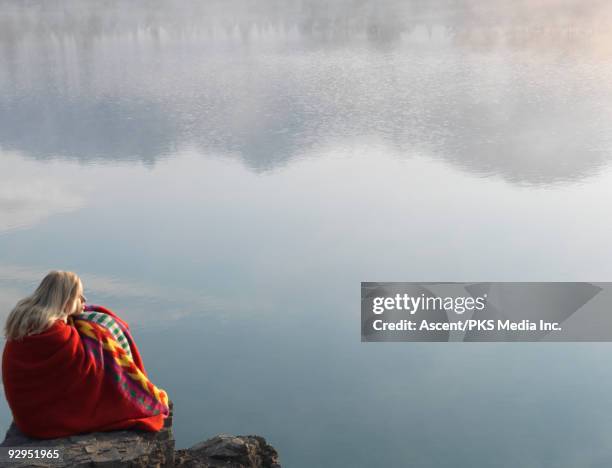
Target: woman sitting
{"type": "Point", "coordinates": [69, 368]}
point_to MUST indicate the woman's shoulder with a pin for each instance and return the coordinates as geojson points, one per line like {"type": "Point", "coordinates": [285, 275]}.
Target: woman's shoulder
{"type": "Point", "coordinates": [57, 329]}
{"type": "Point", "coordinates": [39, 347]}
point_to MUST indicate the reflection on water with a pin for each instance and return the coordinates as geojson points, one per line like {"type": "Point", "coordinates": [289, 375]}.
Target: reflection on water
{"type": "Point", "coordinates": [226, 173]}
{"type": "Point", "coordinates": [520, 92]}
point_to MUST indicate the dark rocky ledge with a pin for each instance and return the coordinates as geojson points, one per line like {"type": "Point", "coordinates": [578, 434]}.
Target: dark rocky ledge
{"type": "Point", "coordinates": [147, 449]}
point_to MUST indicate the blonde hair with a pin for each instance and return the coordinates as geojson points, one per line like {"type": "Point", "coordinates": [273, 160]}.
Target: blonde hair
{"type": "Point", "coordinates": [37, 312]}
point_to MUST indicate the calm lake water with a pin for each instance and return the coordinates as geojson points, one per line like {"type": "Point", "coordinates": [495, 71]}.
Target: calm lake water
{"type": "Point", "coordinates": [225, 174]}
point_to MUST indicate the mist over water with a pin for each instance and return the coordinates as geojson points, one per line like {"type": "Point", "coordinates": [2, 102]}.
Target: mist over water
{"type": "Point", "coordinates": [225, 174]}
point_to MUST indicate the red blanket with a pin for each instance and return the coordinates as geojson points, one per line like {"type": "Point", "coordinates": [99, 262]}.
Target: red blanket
{"type": "Point", "coordinates": [76, 378]}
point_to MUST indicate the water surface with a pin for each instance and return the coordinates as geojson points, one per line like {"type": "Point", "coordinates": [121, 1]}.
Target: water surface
{"type": "Point", "coordinates": [225, 174]}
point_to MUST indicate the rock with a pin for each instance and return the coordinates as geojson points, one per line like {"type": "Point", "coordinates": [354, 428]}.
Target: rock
{"type": "Point", "coordinates": [138, 449]}
{"type": "Point", "coordinates": [101, 449]}
{"type": "Point", "coordinates": [229, 451]}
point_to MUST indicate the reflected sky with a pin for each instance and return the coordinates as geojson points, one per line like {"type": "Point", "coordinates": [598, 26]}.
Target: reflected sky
{"type": "Point", "coordinates": [225, 174]}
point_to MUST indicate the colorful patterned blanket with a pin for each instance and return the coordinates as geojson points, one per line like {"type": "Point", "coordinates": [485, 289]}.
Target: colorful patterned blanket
{"type": "Point", "coordinates": [110, 343]}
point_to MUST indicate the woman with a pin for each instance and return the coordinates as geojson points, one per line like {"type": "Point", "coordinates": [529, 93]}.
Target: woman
{"type": "Point", "coordinates": [65, 372]}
